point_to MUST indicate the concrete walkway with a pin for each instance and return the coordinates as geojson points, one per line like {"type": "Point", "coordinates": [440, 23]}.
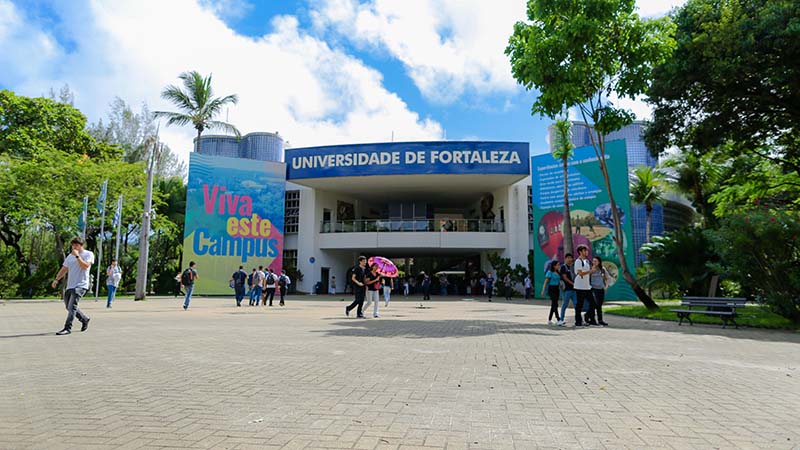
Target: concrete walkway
{"type": "Point", "coordinates": [455, 375]}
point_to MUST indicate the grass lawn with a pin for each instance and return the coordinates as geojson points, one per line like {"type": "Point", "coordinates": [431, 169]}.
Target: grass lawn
{"type": "Point", "coordinates": [751, 316]}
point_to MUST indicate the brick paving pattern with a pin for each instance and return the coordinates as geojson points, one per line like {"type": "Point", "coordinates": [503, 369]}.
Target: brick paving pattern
{"type": "Point", "coordinates": [455, 375]}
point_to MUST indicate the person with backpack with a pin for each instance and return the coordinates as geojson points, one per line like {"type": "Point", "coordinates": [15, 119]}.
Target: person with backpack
{"type": "Point", "coordinates": [188, 277]}
{"type": "Point", "coordinates": [583, 287]}
{"type": "Point", "coordinates": [249, 293]}
{"type": "Point", "coordinates": [426, 286]}
{"type": "Point", "coordinates": [283, 283]}
{"type": "Point", "coordinates": [271, 282]}
{"type": "Point", "coordinates": [258, 286]}
{"type": "Point", "coordinates": [239, 278]}
{"type": "Point", "coordinates": [567, 287]}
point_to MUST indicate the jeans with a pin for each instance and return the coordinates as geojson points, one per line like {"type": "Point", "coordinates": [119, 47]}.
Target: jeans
{"type": "Point", "coordinates": [567, 296]}
{"type": "Point", "coordinates": [584, 296]}
{"type": "Point", "coordinates": [189, 288]}
{"type": "Point", "coordinates": [374, 297]}
{"type": "Point", "coordinates": [552, 292]}
{"type": "Point", "coordinates": [71, 299]}
{"type": "Point", "coordinates": [358, 302]}
{"type": "Point", "coordinates": [283, 293]}
{"type": "Point", "coordinates": [599, 298]}
{"type": "Point", "coordinates": [112, 290]}
{"type": "Point", "coordinates": [255, 295]}
{"type": "Point", "coordinates": [387, 294]}
{"type": "Point", "coordinates": [239, 294]}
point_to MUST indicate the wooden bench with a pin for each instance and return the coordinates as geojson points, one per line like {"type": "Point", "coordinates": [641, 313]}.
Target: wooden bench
{"type": "Point", "coordinates": [724, 308]}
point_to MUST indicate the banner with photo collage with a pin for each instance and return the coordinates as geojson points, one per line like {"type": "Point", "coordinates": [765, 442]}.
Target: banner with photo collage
{"type": "Point", "coordinates": [590, 211]}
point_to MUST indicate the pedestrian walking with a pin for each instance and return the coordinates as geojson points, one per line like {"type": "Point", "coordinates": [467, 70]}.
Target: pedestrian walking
{"type": "Point", "coordinates": [283, 284]}
{"type": "Point", "coordinates": [583, 287]}
{"type": "Point", "coordinates": [552, 280]}
{"type": "Point", "coordinates": [528, 286]}
{"type": "Point", "coordinates": [373, 282]}
{"type": "Point", "coordinates": [332, 286]}
{"type": "Point", "coordinates": [359, 288]}
{"type": "Point", "coordinates": [188, 277]}
{"type": "Point", "coordinates": [239, 278]}
{"type": "Point", "coordinates": [599, 280]}
{"type": "Point", "coordinates": [489, 285]}
{"type": "Point", "coordinates": [250, 285]}
{"type": "Point", "coordinates": [405, 287]}
{"type": "Point", "coordinates": [507, 286]}
{"type": "Point", "coordinates": [258, 286]}
{"type": "Point", "coordinates": [113, 278]}
{"type": "Point", "coordinates": [76, 266]}
{"type": "Point", "coordinates": [426, 286]}
{"type": "Point", "coordinates": [567, 287]}
{"type": "Point", "coordinates": [271, 283]}
{"type": "Point", "coordinates": [388, 285]}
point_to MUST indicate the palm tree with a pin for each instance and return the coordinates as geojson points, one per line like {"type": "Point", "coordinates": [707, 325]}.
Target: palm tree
{"type": "Point", "coordinates": [197, 104]}
{"type": "Point", "coordinates": [647, 187]}
{"type": "Point", "coordinates": [562, 149]}
{"type": "Point", "coordinates": [697, 176]}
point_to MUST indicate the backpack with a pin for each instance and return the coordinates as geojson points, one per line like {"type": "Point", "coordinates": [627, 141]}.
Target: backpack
{"type": "Point", "coordinates": [282, 281]}
{"type": "Point", "coordinates": [270, 279]}
{"type": "Point", "coordinates": [186, 277]}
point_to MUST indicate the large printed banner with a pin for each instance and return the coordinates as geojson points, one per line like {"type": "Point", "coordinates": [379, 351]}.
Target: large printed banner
{"type": "Point", "coordinates": [234, 216]}
{"type": "Point", "coordinates": [590, 210]}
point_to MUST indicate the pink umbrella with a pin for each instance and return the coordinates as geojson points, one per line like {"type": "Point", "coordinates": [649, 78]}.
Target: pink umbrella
{"type": "Point", "coordinates": [386, 267]}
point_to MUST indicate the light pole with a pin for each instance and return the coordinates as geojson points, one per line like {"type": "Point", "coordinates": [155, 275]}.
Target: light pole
{"type": "Point", "coordinates": [144, 234]}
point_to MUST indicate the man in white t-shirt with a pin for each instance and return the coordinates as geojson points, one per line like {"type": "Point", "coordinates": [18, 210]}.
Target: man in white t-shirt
{"type": "Point", "coordinates": [76, 266]}
{"type": "Point", "coordinates": [583, 287]}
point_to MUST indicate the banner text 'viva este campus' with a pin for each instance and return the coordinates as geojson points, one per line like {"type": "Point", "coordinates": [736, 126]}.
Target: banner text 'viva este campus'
{"type": "Point", "coordinates": [234, 217]}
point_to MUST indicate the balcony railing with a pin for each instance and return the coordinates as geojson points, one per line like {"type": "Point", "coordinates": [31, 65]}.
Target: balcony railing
{"type": "Point", "coordinates": [418, 225]}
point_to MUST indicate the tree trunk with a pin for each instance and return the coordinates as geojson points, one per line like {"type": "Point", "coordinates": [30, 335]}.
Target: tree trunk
{"type": "Point", "coordinates": [649, 209]}
{"type": "Point", "coordinates": [618, 234]}
{"type": "Point", "coordinates": [197, 143]}
{"type": "Point", "coordinates": [566, 227]}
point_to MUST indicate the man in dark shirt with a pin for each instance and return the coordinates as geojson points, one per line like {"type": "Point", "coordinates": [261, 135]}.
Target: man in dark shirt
{"type": "Point", "coordinates": [568, 294]}
{"type": "Point", "coordinates": [239, 278]}
{"type": "Point", "coordinates": [359, 287]}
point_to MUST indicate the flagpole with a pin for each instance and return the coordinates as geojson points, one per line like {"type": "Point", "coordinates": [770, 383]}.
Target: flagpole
{"type": "Point", "coordinates": [118, 215]}
{"type": "Point", "coordinates": [85, 214]}
{"type": "Point", "coordinates": [100, 247]}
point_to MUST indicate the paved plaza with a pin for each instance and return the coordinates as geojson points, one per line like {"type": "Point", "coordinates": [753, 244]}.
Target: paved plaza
{"type": "Point", "coordinates": [458, 374]}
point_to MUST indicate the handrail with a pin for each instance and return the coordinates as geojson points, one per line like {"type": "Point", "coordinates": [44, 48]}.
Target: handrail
{"type": "Point", "coordinates": [412, 225]}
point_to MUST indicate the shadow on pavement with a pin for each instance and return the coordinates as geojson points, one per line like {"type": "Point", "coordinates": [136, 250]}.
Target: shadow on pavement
{"type": "Point", "coordinates": [420, 329]}
{"type": "Point", "coordinates": [49, 333]}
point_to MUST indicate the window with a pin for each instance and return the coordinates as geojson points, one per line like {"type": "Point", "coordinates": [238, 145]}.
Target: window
{"type": "Point", "coordinates": [289, 260]}
{"type": "Point", "coordinates": [292, 213]}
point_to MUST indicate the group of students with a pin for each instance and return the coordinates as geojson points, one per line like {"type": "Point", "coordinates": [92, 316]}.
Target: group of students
{"type": "Point", "coordinates": [581, 282]}
{"type": "Point", "coordinates": [367, 284]}
{"type": "Point", "coordinates": [261, 286]}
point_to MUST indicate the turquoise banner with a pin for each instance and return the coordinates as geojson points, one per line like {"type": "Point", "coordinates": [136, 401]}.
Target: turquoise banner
{"type": "Point", "coordinates": [234, 216]}
{"type": "Point", "coordinates": [590, 211]}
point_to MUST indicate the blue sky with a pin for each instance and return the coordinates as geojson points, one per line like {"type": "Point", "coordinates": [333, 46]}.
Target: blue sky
{"type": "Point", "coordinates": [319, 72]}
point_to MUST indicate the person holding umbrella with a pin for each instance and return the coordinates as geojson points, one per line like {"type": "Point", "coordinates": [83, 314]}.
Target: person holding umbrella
{"type": "Point", "coordinates": [383, 270]}
{"type": "Point", "coordinates": [373, 281]}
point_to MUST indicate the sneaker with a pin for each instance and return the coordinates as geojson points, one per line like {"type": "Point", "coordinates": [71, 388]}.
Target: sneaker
{"type": "Point", "coordinates": [386, 304]}
{"type": "Point", "coordinates": [375, 316]}
{"type": "Point", "coordinates": [346, 312]}
{"type": "Point", "coordinates": [185, 307]}
{"type": "Point", "coordinates": [549, 322]}
{"type": "Point", "coordinates": [360, 316]}
{"type": "Point", "coordinates": [603, 323]}
{"type": "Point", "coordinates": [63, 332]}
{"type": "Point", "coordinates": [85, 325]}
{"type": "Point", "coordinates": [108, 306]}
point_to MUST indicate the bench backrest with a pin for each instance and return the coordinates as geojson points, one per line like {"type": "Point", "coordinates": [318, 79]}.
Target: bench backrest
{"type": "Point", "coordinates": [732, 302]}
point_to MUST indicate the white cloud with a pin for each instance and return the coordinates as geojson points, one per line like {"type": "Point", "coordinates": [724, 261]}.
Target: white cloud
{"type": "Point", "coordinates": [287, 80]}
{"type": "Point", "coordinates": [449, 48]}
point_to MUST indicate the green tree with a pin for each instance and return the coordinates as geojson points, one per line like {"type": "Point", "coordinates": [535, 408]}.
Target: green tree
{"type": "Point", "coordinates": [579, 53]}
{"type": "Point", "coordinates": [681, 259]}
{"type": "Point", "coordinates": [647, 188]}
{"type": "Point", "coordinates": [197, 104]}
{"type": "Point", "coordinates": [732, 80]}
{"type": "Point", "coordinates": [562, 149]}
{"type": "Point", "coordinates": [697, 176]}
